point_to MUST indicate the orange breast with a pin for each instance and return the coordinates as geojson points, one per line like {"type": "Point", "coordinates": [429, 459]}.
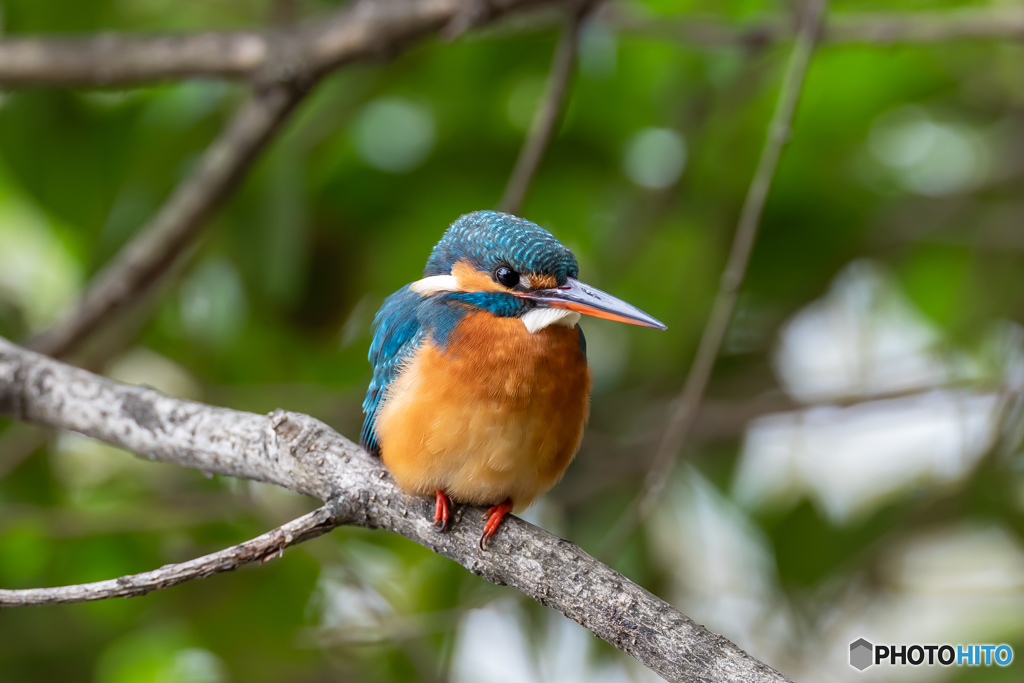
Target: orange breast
{"type": "Point", "coordinates": [499, 414]}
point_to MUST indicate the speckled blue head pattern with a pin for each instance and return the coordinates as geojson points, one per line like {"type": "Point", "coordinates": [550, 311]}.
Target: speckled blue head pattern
{"type": "Point", "coordinates": [489, 239]}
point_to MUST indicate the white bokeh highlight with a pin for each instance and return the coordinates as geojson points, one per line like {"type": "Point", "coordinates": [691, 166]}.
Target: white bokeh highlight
{"type": "Point", "coordinates": [850, 460]}
{"type": "Point", "coordinates": [492, 646]}
{"type": "Point", "coordinates": [862, 338]}
{"type": "Point", "coordinates": [37, 271]}
{"type": "Point", "coordinates": [929, 156]}
{"type": "Point", "coordinates": [864, 341]}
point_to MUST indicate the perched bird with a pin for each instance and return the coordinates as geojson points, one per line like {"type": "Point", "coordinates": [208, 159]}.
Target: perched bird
{"type": "Point", "coordinates": [480, 384]}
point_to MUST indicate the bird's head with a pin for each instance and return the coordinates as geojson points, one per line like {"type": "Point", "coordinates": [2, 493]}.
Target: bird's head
{"type": "Point", "coordinates": [502, 258]}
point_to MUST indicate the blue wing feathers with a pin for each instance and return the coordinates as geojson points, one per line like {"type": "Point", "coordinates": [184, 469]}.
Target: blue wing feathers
{"type": "Point", "coordinates": [397, 333]}
{"type": "Point", "coordinates": [407, 319]}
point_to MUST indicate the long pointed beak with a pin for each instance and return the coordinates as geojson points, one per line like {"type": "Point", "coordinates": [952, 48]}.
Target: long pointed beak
{"type": "Point", "coordinates": [582, 298]}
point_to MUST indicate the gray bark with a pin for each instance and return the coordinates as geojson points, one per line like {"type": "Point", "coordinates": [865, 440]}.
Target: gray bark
{"type": "Point", "coordinates": [300, 453]}
{"type": "Point", "coordinates": [366, 29]}
{"type": "Point", "coordinates": [369, 29]}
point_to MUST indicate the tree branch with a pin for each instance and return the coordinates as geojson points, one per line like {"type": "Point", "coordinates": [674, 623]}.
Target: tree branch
{"type": "Point", "coordinates": [297, 60]}
{"type": "Point", "coordinates": [159, 244]}
{"type": "Point", "coordinates": [261, 548]}
{"type": "Point", "coordinates": [112, 59]}
{"type": "Point", "coordinates": [548, 113]}
{"type": "Point", "coordinates": [689, 400]}
{"type": "Point", "coordinates": [366, 29]}
{"type": "Point", "coordinates": [302, 454]}
{"type": "Point", "coordinates": [839, 29]}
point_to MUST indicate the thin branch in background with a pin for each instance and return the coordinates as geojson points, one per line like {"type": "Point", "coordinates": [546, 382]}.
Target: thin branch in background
{"type": "Point", "coordinates": [548, 114]}
{"type": "Point", "coordinates": [385, 627]}
{"type": "Point", "coordinates": [1002, 23]}
{"type": "Point", "coordinates": [885, 29]}
{"type": "Point", "coordinates": [261, 548]}
{"type": "Point", "coordinates": [360, 31]}
{"type": "Point", "coordinates": [365, 29]}
{"type": "Point", "coordinates": [302, 454]}
{"type": "Point", "coordinates": [689, 400]}
{"type": "Point", "coordinates": [158, 245]}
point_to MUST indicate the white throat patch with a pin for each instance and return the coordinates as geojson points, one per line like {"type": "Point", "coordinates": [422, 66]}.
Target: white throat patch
{"type": "Point", "coordinates": [535, 320]}
{"type": "Point", "coordinates": [539, 318]}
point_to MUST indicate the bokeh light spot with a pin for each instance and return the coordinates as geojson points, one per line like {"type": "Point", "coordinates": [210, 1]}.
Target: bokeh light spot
{"type": "Point", "coordinates": [929, 157]}
{"type": "Point", "coordinates": [394, 135]}
{"type": "Point", "coordinates": [655, 157]}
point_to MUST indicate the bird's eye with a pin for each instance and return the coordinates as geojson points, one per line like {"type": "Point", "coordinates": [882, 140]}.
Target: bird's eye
{"type": "Point", "coordinates": [506, 276]}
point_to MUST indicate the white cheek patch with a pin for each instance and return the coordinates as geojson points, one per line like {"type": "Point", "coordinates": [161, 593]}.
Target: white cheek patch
{"type": "Point", "coordinates": [539, 318]}
{"type": "Point", "coordinates": [434, 284]}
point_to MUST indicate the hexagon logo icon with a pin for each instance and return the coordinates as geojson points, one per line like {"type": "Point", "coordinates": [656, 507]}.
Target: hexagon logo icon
{"type": "Point", "coordinates": [860, 654]}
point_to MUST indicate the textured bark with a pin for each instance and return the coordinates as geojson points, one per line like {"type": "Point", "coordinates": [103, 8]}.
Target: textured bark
{"type": "Point", "coordinates": [302, 454]}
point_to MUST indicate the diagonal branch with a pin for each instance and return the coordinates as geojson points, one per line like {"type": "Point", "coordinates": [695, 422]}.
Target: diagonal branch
{"type": "Point", "coordinates": [364, 29]}
{"type": "Point", "coordinates": [548, 114]}
{"type": "Point", "coordinates": [261, 548]}
{"type": "Point", "coordinates": [689, 400]}
{"type": "Point", "coordinates": [158, 245]}
{"type": "Point", "coordinates": [302, 454]}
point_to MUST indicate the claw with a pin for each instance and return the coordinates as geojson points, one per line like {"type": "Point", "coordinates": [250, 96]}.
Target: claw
{"type": "Point", "coordinates": [494, 517]}
{"type": "Point", "coordinates": [442, 510]}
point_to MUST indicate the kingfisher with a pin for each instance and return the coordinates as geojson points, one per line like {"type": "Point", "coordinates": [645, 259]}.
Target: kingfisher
{"type": "Point", "coordinates": [481, 387]}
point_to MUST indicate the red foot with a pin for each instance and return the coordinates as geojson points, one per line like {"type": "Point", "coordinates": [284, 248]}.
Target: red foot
{"type": "Point", "coordinates": [494, 517]}
{"type": "Point", "coordinates": [442, 510]}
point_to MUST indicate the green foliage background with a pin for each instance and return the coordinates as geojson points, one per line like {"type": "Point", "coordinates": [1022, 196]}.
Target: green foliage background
{"type": "Point", "coordinates": [274, 310]}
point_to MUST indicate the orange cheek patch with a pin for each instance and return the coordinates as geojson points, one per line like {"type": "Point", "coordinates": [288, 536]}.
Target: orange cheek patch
{"type": "Point", "coordinates": [469, 279]}
{"type": "Point", "coordinates": [538, 281]}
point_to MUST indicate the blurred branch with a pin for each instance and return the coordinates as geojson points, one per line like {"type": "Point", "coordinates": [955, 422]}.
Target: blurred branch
{"type": "Point", "coordinates": [159, 244]}
{"type": "Point", "coordinates": [868, 28]}
{"type": "Point", "coordinates": [261, 548]}
{"type": "Point", "coordinates": [297, 59]}
{"type": "Point", "coordinates": [364, 29]}
{"type": "Point", "coordinates": [602, 465]}
{"type": "Point", "coordinates": [548, 113]}
{"type": "Point", "coordinates": [113, 59]}
{"type": "Point", "coordinates": [370, 28]}
{"type": "Point", "coordinates": [688, 403]}
{"type": "Point", "coordinates": [302, 454]}
{"type": "Point", "coordinates": [385, 627]}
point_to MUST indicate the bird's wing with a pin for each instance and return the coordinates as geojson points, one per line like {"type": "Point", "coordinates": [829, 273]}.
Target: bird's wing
{"type": "Point", "coordinates": [396, 334]}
